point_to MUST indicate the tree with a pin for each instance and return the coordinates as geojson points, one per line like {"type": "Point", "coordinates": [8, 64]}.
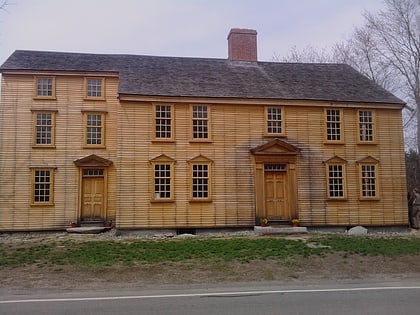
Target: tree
{"type": "Point", "coordinates": [4, 4]}
{"type": "Point", "coordinates": [387, 50]}
{"type": "Point", "coordinates": [395, 40]}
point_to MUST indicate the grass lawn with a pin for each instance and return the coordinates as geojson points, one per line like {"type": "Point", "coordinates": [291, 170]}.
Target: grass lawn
{"type": "Point", "coordinates": [100, 253]}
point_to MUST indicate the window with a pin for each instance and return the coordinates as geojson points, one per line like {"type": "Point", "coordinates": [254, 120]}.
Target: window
{"type": "Point", "coordinates": [333, 125]}
{"type": "Point", "coordinates": [43, 129]}
{"type": "Point", "coordinates": [45, 87]}
{"type": "Point", "coordinates": [366, 132]}
{"type": "Point", "coordinates": [368, 178]}
{"type": "Point", "coordinates": [163, 122]}
{"type": "Point", "coordinates": [162, 182]}
{"type": "Point", "coordinates": [275, 167]}
{"type": "Point", "coordinates": [93, 172]}
{"type": "Point", "coordinates": [94, 129]}
{"type": "Point", "coordinates": [200, 122]}
{"type": "Point", "coordinates": [200, 178]}
{"type": "Point", "coordinates": [42, 186]}
{"type": "Point", "coordinates": [335, 181]}
{"type": "Point", "coordinates": [336, 178]}
{"type": "Point", "coordinates": [94, 88]}
{"type": "Point", "coordinates": [274, 120]}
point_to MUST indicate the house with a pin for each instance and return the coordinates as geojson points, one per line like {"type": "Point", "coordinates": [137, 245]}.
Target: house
{"type": "Point", "coordinates": [187, 143]}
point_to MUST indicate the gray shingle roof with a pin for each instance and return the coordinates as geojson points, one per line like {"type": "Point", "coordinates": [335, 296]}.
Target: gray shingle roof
{"type": "Point", "coordinates": [213, 78]}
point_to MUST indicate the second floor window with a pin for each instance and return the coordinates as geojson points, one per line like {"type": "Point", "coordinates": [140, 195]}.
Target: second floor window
{"type": "Point", "coordinates": [94, 88]}
{"type": "Point", "coordinates": [274, 120]}
{"type": "Point", "coordinates": [94, 129]}
{"type": "Point", "coordinates": [44, 125]}
{"type": "Point", "coordinates": [200, 122]}
{"type": "Point", "coordinates": [333, 125]}
{"type": "Point", "coordinates": [163, 122]}
{"type": "Point", "coordinates": [44, 87]}
{"type": "Point", "coordinates": [366, 126]}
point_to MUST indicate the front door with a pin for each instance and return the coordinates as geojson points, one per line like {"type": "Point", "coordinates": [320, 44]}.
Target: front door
{"type": "Point", "coordinates": [275, 195]}
{"type": "Point", "coordinates": [93, 195]}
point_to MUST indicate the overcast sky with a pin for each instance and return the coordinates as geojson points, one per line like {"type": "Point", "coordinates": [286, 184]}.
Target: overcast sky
{"type": "Point", "coordinates": [191, 28]}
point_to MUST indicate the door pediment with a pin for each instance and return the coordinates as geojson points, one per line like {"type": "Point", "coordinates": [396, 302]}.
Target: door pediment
{"type": "Point", "coordinates": [92, 160]}
{"type": "Point", "coordinates": [276, 147]}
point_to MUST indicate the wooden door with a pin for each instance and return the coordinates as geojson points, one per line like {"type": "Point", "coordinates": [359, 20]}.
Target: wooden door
{"type": "Point", "coordinates": [93, 198]}
{"type": "Point", "coordinates": [275, 196]}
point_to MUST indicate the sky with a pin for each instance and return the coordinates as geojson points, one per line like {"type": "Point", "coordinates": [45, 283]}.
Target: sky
{"type": "Point", "coordinates": [188, 28]}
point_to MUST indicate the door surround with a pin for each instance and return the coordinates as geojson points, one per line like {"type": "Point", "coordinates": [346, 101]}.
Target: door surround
{"type": "Point", "coordinates": [284, 154]}
{"type": "Point", "coordinates": [99, 166]}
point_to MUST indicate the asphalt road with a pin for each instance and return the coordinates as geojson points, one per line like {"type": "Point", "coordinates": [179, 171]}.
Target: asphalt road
{"type": "Point", "coordinates": [256, 299]}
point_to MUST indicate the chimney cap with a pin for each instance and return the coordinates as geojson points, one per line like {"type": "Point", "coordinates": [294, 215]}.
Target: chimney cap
{"type": "Point", "coordinates": [242, 31]}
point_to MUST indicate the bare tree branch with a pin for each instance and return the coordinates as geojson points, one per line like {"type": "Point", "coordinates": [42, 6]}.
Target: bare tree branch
{"type": "Point", "coordinates": [386, 49]}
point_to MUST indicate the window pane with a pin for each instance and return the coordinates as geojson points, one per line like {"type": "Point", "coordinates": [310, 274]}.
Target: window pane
{"type": "Point", "coordinates": [94, 87]}
{"type": "Point", "coordinates": [200, 181]}
{"type": "Point", "coordinates": [368, 177]}
{"type": "Point", "coordinates": [43, 128]}
{"type": "Point", "coordinates": [42, 183]}
{"type": "Point", "coordinates": [162, 181]}
{"type": "Point", "coordinates": [94, 129]}
{"type": "Point", "coordinates": [200, 122]}
{"type": "Point", "coordinates": [163, 121]}
{"type": "Point", "coordinates": [333, 125]}
{"type": "Point", "coordinates": [335, 181]}
{"type": "Point", "coordinates": [274, 120]}
{"type": "Point", "coordinates": [365, 125]}
{"type": "Point", "coordinates": [44, 87]}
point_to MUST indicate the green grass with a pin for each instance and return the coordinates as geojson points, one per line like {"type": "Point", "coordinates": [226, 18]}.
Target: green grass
{"type": "Point", "coordinates": [98, 254]}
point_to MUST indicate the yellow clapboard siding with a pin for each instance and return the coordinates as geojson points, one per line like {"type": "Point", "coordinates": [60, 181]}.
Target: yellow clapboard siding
{"type": "Point", "coordinates": [235, 129]}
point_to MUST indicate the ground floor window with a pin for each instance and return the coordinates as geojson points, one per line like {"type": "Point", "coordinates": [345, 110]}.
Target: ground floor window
{"type": "Point", "coordinates": [336, 181]}
{"type": "Point", "coordinates": [42, 186]}
{"type": "Point", "coordinates": [162, 185]}
{"type": "Point", "coordinates": [200, 178]}
{"type": "Point", "coordinates": [368, 178]}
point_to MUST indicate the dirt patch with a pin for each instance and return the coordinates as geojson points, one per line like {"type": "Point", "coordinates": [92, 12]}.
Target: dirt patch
{"type": "Point", "coordinates": [331, 266]}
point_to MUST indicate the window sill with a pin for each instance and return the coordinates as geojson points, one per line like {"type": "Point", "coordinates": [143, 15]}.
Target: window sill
{"type": "Point", "coordinates": [163, 141]}
{"type": "Point", "coordinates": [201, 141]}
{"type": "Point", "coordinates": [94, 99]}
{"type": "Point", "coordinates": [162, 201]}
{"type": "Point", "coordinates": [38, 146]}
{"type": "Point", "coordinates": [200, 200]}
{"type": "Point", "coordinates": [52, 98]}
{"type": "Point", "coordinates": [94, 147]}
{"type": "Point", "coordinates": [334, 142]}
{"type": "Point", "coordinates": [42, 204]}
{"type": "Point", "coordinates": [367, 143]}
{"type": "Point", "coordinates": [337, 199]}
{"type": "Point", "coordinates": [275, 135]}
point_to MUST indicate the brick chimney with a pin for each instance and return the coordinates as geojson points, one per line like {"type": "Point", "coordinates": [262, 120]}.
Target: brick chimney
{"type": "Point", "coordinates": [242, 45]}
